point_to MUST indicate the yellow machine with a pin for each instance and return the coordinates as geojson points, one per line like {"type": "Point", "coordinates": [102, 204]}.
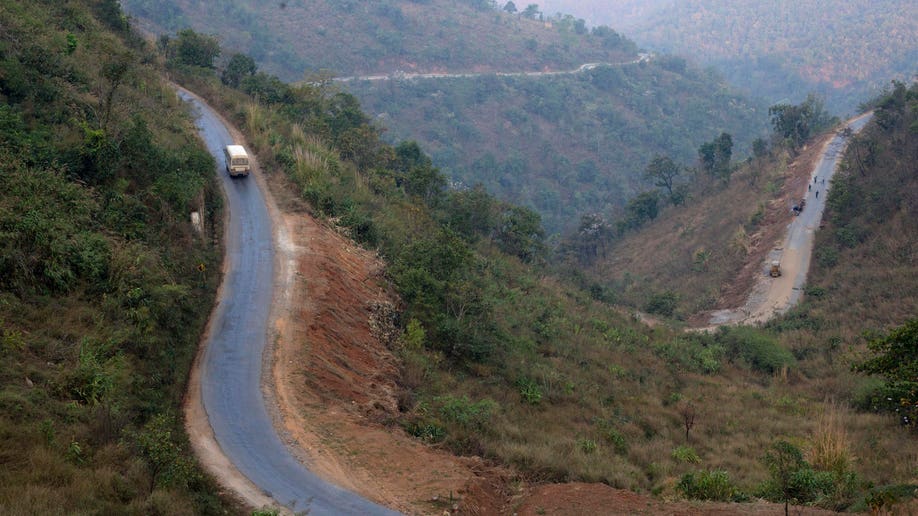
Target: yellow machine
{"type": "Point", "coordinates": [775, 269]}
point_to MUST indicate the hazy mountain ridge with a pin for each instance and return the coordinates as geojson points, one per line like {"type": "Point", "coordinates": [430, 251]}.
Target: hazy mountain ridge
{"type": "Point", "coordinates": [845, 51]}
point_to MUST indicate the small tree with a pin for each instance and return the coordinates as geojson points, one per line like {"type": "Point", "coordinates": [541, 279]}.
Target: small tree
{"type": "Point", "coordinates": [687, 411]}
{"type": "Point", "coordinates": [662, 171]}
{"type": "Point", "coordinates": [169, 463]}
{"type": "Point", "coordinates": [896, 359]}
{"type": "Point", "coordinates": [784, 461]}
{"type": "Point", "coordinates": [510, 7]}
{"type": "Point", "coordinates": [715, 156]}
{"type": "Point", "coordinates": [239, 67]}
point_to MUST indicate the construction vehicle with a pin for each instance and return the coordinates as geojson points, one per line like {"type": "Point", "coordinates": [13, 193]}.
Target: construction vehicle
{"type": "Point", "coordinates": [775, 269]}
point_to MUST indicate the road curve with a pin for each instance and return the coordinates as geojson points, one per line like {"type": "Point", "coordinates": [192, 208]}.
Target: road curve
{"type": "Point", "coordinates": [231, 364]}
{"type": "Point", "coordinates": [774, 296]}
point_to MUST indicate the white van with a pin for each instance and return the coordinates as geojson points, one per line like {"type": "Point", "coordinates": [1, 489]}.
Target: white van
{"type": "Point", "coordinates": [237, 161]}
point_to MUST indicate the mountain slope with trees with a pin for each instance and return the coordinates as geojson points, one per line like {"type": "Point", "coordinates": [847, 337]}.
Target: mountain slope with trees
{"type": "Point", "coordinates": [564, 145]}
{"type": "Point", "coordinates": [504, 358]}
{"type": "Point", "coordinates": [101, 302]}
{"type": "Point", "coordinates": [347, 37]}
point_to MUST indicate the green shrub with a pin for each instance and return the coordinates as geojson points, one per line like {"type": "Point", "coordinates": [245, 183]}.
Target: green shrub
{"type": "Point", "coordinates": [464, 412]}
{"type": "Point", "coordinates": [663, 303]}
{"type": "Point", "coordinates": [530, 392]}
{"type": "Point", "coordinates": [616, 439]}
{"type": "Point", "coordinates": [827, 257]}
{"type": "Point", "coordinates": [426, 431]}
{"type": "Point", "coordinates": [686, 454]}
{"type": "Point", "coordinates": [709, 485]}
{"type": "Point", "coordinates": [755, 347]}
{"type": "Point", "coordinates": [587, 446]}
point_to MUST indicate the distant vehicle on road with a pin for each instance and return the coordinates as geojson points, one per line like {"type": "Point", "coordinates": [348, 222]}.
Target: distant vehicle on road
{"type": "Point", "coordinates": [237, 160]}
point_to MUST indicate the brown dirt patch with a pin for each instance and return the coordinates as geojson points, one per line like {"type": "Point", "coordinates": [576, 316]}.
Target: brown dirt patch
{"type": "Point", "coordinates": [336, 379]}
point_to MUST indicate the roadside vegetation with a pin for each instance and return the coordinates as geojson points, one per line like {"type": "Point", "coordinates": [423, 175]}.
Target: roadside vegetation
{"type": "Point", "coordinates": [101, 302]}
{"type": "Point", "coordinates": [504, 359]}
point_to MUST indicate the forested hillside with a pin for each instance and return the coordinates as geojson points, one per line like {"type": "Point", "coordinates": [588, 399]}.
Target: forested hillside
{"type": "Point", "coordinates": [564, 145]}
{"type": "Point", "coordinates": [101, 301]}
{"type": "Point", "coordinates": [844, 51]}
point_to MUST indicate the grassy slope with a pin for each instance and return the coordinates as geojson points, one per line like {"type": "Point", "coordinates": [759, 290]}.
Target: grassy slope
{"type": "Point", "coordinates": [862, 280]}
{"type": "Point", "coordinates": [100, 303]}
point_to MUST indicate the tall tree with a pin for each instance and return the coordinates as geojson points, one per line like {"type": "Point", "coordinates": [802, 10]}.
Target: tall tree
{"type": "Point", "coordinates": [520, 233]}
{"type": "Point", "coordinates": [196, 49]}
{"type": "Point", "coordinates": [795, 124]}
{"type": "Point", "coordinates": [531, 11]}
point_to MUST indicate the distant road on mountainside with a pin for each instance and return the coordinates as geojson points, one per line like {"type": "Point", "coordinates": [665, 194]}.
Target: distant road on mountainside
{"type": "Point", "coordinates": [642, 58]}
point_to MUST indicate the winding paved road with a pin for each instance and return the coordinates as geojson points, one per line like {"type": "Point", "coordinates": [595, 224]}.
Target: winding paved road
{"type": "Point", "coordinates": [231, 367]}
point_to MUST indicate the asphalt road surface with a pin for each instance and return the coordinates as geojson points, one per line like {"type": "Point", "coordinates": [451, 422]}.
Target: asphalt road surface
{"type": "Point", "coordinates": [231, 369]}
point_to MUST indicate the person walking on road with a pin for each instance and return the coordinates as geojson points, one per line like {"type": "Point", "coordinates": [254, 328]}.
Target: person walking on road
{"type": "Point", "coordinates": [817, 194]}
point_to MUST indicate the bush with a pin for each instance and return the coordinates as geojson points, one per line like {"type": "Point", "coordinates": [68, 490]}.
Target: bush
{"type": "Point", "coordinates": [686, 454]}
{"type": "Point", "coordinates": [616, 439]}
{"type": "Point", "coordinates": [709, 485]}
{"type": "Point", "coordinates": [758, 349]}
{"type": "Point", "coordinates": [530, 392]}
{"type": "Point", "coordinates": [464, 412]}
{"type": "Point", "coordinates": [663, 303]}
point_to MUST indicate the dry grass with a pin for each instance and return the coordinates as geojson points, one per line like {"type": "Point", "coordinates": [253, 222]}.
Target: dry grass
{"type": "Point", "coordinates": [830, 448]}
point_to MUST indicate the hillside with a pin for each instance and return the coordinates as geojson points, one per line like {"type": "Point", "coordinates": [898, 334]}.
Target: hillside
{"type": "Point", "coordinates": [499, 357]}
{"type": "Point", "coordinates": [101, 304]}
{"type": "Point", "coordinates": [845, 51]}
{"type": "Point", "coordinates": [296, 37]}
{"type": "Point", "coordinates": [563, 145]}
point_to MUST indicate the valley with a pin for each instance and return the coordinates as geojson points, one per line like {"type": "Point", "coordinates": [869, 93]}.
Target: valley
{"type": "Point", "coordinates": [459, 284]}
